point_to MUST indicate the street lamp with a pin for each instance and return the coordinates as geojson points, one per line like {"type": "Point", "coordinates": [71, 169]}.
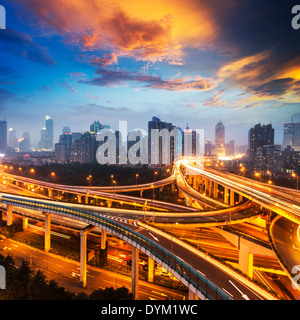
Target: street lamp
{"type": "Point", "coordinates": [53, 175]}
{"type": "Point", "coordinates": [294, 175]}
{"type": "Point", "coordinates": [136, 177]}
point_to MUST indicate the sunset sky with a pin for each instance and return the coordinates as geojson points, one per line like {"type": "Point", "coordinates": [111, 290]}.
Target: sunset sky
{"type": "Point", "coordinates": [191, 61]}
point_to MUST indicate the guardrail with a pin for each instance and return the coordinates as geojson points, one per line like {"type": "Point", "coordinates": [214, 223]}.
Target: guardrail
{"type": "Point", "coordinates": [177, 266]}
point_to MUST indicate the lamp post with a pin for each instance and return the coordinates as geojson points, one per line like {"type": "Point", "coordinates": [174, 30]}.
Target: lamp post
{"type": "Point", "coordinates": [294, 175]}
{"type": "Point", "coordinates": [136, 177]}
{"type": "Point", "coordinates": [53, 175]}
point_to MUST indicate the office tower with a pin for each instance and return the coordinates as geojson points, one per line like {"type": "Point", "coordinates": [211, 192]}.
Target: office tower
{"type": "Point", "coordinates": [3, 137]}
{"type": "Point", "coordinates": [97, 126]}
{"type": "Point", "coordinates": [12, 138]}
{"type": "Point", "coordinates": [157, 144]}
{"type": "Point", "coordinates": [208, 148]}
{"type": "Point", "coordinates": [46, 142]}
{"type": "Point", "coordinates": [66, 140]}
{"type": "Point", "coordinates": [291, 135]}
{"type": "Point", "coordinates": [66, 130]}
{"type": "Point", "coordinates": [220, 139]}
{"type": "Point", "coordinates": [23, 145]}
{"type": "Point", "coordinates": [229, 148]}
{"type": "Point", "coordinates": [189, 142]}
{"type": "Point", "coordinates": [60, 152]}
{"type": "Point", "coordinates": [88, 148]}
{"type": "Point", "coordinates": [260, 136]}
{"type": "Point", "coordinates": [267, 158]}
{"type": "Point", "coordinates": [26, 137]}
{"type": "Point", "coordinates": [49, 132]}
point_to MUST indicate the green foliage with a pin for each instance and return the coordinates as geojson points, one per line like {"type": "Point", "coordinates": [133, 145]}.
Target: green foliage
{"type": "Point", "coordinates": [25, 284]}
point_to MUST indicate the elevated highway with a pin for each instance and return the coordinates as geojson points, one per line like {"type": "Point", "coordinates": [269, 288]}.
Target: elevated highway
{"type": "Point", "coordinates": [284, 203]}
{"type": "Point", "coordinates": [205, 278]}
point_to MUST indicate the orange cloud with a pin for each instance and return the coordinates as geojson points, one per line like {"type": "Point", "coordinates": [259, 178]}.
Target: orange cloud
{"type": "Point", "coordinates": [145, 30]}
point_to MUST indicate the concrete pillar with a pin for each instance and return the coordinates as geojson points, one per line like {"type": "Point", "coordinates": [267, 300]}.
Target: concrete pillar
{"type": "Point", "coordinates": [50, 193]}
{"type": "Point", "coordinates": [79, 198]}
{"type": "Point", "coordinates": [47, 231]}
{"type": "Point", "coordinates": [9, 215]}
{"type": "Point", "coordinates": [215, 190]}
{"type": "Point", "coordinates": [205, 185]}
{"type": "Point", "coordinates": [240, 198]}
{"type": "Point", "coordinates": [150, 269]}
{"type": "Point", "coordinates": [135, 273]}
{"type": "Point", "coordinates": [83, 253]}
{"type": "Point", "coordinates": [141, 193]}
{"type": "Point", "coordinates": [103, 239]}
{"type": "Point", "coordinates": [17, 183]}
{"type": "Point", "coordinates": [226, 196]}
{"type": "Point", "coordinates": [245, 259]}
{"type": "Point", "coordinates": [250, 265]}
{"type": "Point", "coordinates": [232, 198]}
{"type": "Point", "coordinates": [109, 204]}
{"type": "Point", "coordinates": [86, 199]}
{"type": "Point", "coordinates": [25, 223]}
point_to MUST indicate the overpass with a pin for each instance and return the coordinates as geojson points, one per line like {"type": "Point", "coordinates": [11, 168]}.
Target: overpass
{"type": "Point", "coordinates": [284, 203]}
{"type": "Point", "coordinates": [205, 279]}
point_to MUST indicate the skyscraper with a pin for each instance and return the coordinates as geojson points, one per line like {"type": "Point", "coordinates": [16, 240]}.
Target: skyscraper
{"type": "Point", "coordinates": [12, 138]}
{"type": "Point", "coordinates": [47, 135]}
{"type": "Point", "coordinates": [49, 132]}
{"type": "Point", "coordinates": [260, 136]}
{"type": "Point", "coordinates": [220, 139]}
{"type": "Point", "coordinates": [291, 135]}
{"type": "Point", "coordinates": [3, 136]}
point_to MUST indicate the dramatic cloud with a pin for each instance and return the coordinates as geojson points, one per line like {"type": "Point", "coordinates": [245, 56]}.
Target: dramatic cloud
{"type": "Point", "coordinates": [110, 78]}
{"type": "Point", "coordinates": [151, 31]}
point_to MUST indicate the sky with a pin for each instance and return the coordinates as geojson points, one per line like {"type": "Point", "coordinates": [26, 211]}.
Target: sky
{"type": "Point", "coordinates": [192, 61]}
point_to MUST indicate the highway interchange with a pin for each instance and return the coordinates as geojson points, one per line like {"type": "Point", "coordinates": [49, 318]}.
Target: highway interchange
{"type": "Point", "coordinates": [219, 275]}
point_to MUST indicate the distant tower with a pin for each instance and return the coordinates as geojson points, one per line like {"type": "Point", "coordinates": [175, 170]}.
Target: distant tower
{"type": "Point", "coordinates": [3, 136]}
{"type": "Point", "coordinates": [220, 139]}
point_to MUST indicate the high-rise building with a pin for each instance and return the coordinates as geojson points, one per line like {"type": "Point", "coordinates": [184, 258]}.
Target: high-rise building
{"type": "Point", "coordinates": [12, 138]}
{"type": "Point", "coordinates": [208, 148]}
{"type": "Point", "coordinates": [26, 137]}
{"type": "Point", "coordinates": [220, 139]}
{"type": "Point", "coordinates": [97, 126]}
{"type": "Point", "coordinates": [49, 132]}
{"type": "Point", "coordinates": [260, 136]}
{"type": "Point", "coordinates": [3, 136]}
{"type": "Point", "coordinates": [291, 135]}
{"type": "Point", "coordinates": [157, 147]}
{"type": "Point", "coordinates": [229, 148]}
{"type": "Point", "coordinates": [47, 135]}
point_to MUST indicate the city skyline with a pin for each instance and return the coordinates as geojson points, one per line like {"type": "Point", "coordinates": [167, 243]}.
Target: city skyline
{"type": "Point", "coordinates": [136, 60]}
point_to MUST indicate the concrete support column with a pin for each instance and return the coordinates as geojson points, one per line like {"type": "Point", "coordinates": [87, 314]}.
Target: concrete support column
{"type": "Point", "coordinates": [86, 199]}
{"type": "Point", "coordinates": [9, 215]}
{"type": "Point", "coordinates": [25, 223]}
{"type": "Point", "coordinates": [215, 190]}
{"type": "Point", "coordinates": [240, 198]}
{"type": "Point", "coordinates": [226, 196]}
{"type": "Point", "coordinates": [83, 253]}
{"type": "Point", "coordinates": [103, 239]}
{"type": "Point", "coordinates": [109, 204]}
{"type": "Point", "coordinates": [79, 198]}
{"type": "Point", "coordinates": [141, 193]}
{"type": "Point", "coordinates": [205, 185]}
{"type": "Point", "coordinates": [245, 259]}
{"type": "Point", "coordinates": [135, 273]}
{"type": "Point", "coordinates": [47, 231]}
{"type": "Point", "coordinates": [231, 198]}
{"type": "Point", "coordinates": [50, 193]}
{"type": "Point", "coordinates": [150, 269]}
